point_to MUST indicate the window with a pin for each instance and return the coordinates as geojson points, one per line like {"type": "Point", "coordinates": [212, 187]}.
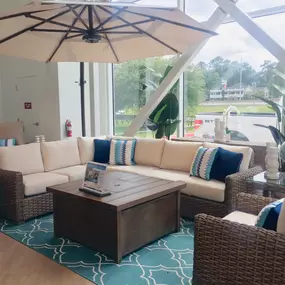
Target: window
{"type": "Point", "coordinates": [230, 72]}
{"type": "Point", "coordinates": [134, 83]}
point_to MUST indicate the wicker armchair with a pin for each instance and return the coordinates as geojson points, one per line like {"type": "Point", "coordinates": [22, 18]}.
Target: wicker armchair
{"type": "Point", "coordinates": [229, 253]}
{"type": "Point", "coordinates": [14, 205]}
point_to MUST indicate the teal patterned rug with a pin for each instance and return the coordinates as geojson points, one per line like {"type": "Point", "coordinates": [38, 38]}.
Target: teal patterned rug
{"type": "Point", "coordinates": [167, 261]}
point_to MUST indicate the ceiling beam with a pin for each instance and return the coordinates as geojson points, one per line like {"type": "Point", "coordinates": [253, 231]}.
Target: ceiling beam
{"type": "Point", "coordinates": [253, 29]}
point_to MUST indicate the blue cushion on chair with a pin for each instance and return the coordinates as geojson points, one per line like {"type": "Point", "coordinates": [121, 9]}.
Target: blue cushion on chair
{"type": "Point", "coordinates": [102, 150]}
{"type": "Point", "coordinates": [226, 163]}
{"type": "Point", "coordinates": [268, 216]}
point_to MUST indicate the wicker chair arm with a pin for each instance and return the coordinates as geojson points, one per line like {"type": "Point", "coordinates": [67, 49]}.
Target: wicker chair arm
{"type": "Point", "coordinates": [237, 183]}
{"type": "Point", "coordinates": [11, 187]}
{"type": "Point", "coordinates": [229, 253]}
{"type": "Point", "coordinates": [252, 204]}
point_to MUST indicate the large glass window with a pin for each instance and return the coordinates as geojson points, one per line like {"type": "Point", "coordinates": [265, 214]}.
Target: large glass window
{"type": "Point", "coordinates": [228, 74]}
{"type": "Point", "coordinates": [134, 83]}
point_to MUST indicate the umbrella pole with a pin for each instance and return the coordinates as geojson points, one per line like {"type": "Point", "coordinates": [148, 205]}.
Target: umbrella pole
{"type": "Point", "coordinates": [82, 98]}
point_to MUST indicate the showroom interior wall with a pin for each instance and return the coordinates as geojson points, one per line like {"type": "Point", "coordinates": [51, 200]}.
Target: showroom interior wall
{"type": "Point", "coordinates": [50, 88]}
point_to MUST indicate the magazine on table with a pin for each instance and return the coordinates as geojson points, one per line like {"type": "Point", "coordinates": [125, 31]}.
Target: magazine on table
{"type": "Point", "coordinates": [93, 175]}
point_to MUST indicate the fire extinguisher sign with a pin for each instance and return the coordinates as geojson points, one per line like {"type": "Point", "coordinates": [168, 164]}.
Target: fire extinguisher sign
{"type": "Point", "coordinates": [28, 105]}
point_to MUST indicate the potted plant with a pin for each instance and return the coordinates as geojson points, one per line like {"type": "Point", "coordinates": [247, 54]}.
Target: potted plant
{"type": "Point", "coordinates": [163, 121]}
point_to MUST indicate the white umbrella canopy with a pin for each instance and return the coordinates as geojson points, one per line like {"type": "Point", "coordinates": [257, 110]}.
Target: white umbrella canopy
{"type": "Point", "coordinates": [85, 31]}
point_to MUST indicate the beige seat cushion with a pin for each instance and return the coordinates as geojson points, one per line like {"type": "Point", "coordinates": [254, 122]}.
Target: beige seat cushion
{"type": "Point", "coordinates": [179, 155]}
{"type": "Point", "coordinates": [246, 151]}
{"type": "Point", "coordinates": [149, 151]}
{"type": "Point", "coordinates": [60, 154]}
{"type": "Point", "coordinates": [241, 217]}
{"type": "Point", "coordinates": [211, 190]}
{"type": "Point", "coordinates": [37, 183]}
{"type": "Point", "coordinates": [23, 158]}
{"type": "Point", "coordinates": [73, 172]}
{"type": "Point", "coordinates": [137, 169]}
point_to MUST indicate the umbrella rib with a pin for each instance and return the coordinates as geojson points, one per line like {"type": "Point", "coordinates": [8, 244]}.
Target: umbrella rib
{"type": "Point", "coordinates": [53, 22]}
{"type": "Point", "coordinates": [110, 18]}
{"type": "Point", "coordinates": [23, 14]}
{"type": "Point", "coordinates": [142, 31]}
{"type": "Point", "coordinates": [32, 27]}
{"type": "Point", "coordinates": [120, 32]}
{"type": "Point", "coordinates": [74, 36]}
{"type": "Point", "coordinates": [173, 22]}
{"type": "Point", "coordinates": [55, 31]}
{"type": "Point", "coordinates": [107, 38]}
{"type": "Point", "coordinates": [79, 17]}
{"type": "Point", "coordinates": [126, 25]}
{"type": "Point", "coordinates": [64, 37]}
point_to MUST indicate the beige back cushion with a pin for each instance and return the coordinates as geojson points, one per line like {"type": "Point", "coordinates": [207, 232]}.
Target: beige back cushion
{"type": "Point", "coordinates": [246, 151]}
{"type": "Point", "coordinates": [149, 151]}
{"type": "Point", "coordinates": [179, 155]}
{"type": "Point", "coordinates": [86, 148]}
{"type": "Point", "coordinates": [23, 158]}
{"type": "Point", "coordinates": [60, 154]}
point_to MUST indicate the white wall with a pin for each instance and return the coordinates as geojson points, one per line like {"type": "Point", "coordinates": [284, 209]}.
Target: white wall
{"type": "Point", "coordinates": [69, 98]}
{"type": "Point", "coordinates": [34, 82]}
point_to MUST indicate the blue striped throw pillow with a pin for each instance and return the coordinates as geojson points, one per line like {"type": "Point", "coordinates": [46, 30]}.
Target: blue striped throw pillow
{"type": "Point", "coordinates": [122, 152]}
{"type": "Point", "coordinates": [203, 161]}
{"type": "Point", "coordinates": [7, 142]}
{"type": "Point", "coordinates": [269, 215]}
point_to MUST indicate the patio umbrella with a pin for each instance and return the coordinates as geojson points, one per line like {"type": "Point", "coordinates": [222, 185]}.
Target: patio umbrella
{"type": "Point", "coordinates": [86, 31]}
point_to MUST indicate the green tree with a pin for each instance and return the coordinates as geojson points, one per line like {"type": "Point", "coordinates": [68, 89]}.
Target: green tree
{"type": "Point", "coordinates": [194, 87]}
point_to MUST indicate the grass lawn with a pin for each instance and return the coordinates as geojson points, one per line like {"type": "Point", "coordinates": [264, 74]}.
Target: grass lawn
{"type": "Point", "coordinates": [242, 108]}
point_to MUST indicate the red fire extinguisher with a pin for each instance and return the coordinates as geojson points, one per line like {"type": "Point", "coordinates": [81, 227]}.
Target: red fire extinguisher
{"type": "Point", "coordinates": [68, 128]}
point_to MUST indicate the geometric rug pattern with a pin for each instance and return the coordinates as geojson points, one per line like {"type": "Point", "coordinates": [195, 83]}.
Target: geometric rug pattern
{"type": "Point", "coordinates": [168, 261]}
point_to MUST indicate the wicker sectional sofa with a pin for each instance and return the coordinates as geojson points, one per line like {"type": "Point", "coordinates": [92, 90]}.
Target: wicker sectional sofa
{"type": "Point", "coordinates": [26, 171]}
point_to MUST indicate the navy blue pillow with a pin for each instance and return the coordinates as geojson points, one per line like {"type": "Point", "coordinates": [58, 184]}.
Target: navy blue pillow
{"type": "Point", "coordinates": [226, 163]}
{"type": "Point", "coordinates": [102, 151]}
{"type": "Point", "coordinates": [269, 215]}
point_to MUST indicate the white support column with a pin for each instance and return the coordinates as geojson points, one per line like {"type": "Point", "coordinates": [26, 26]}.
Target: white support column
{"type": "Point", "coordinates": [213, 23]}
{"type": "Point", "coordinates": [95, 121]}
{"type": "Point", "coordinates": [253, 29]}
{"type": "Point", "coordinates": [180, 129]}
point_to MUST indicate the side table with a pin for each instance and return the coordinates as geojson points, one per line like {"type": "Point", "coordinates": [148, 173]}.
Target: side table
{"type": "Point", "coordinates": [270, 188]}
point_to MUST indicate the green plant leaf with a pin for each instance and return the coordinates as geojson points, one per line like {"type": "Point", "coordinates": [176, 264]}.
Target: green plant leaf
{"type": "Point", "coordinates": [277, 135]}
{"type": "Point", "coordinates": [274, 106]}
{"type": "Point", "coordinates": [160, 132]}
{"type": "Point", "coordinates": [170, 127]}
{"type": "Point", "coordinates": [167, 70]}
{"type": "Point", "coordinates": [157, 118]}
